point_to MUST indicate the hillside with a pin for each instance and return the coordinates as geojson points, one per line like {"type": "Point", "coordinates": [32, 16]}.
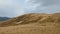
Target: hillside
{"type": "Point", "coordinates": [32, 18]}
{"type": "Point", "coordinates": [32, 24]}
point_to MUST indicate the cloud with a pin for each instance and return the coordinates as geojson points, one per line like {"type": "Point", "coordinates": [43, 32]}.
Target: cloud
{"type": "Point", "coordinates": [27, 0]}
{"type": "Point", "coordinates": [10, 8]}
{"type": "Point", "coordinates": [43, 6]}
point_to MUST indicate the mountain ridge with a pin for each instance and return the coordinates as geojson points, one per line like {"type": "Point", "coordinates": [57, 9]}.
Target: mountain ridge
{"type": "Point", "coordinates": [4, 18]}
{"type": "Point", "coordinates": [33, 18]}
{"type": "Point", "coordinates": [32, 24]}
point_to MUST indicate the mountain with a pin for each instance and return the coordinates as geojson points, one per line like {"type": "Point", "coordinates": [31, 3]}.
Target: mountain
{"type": "Point", "coordinates": [4, 18]}
{"type": "Point", "coordinates": [33, 18]}
{"type": "Point", "coordinates": [32, 24]}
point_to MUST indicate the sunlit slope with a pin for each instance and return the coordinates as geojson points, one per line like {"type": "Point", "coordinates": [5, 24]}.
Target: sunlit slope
{"type": "Point", "coordinates": [33, 18]}
{"type": "Point", "coordinates": [32, 24]}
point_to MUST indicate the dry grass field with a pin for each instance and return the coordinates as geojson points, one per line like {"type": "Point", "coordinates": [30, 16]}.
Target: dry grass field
{"type": "Point", "coordinates": [32, 24]}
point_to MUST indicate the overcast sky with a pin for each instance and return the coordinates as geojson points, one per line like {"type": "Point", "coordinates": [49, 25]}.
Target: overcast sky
{"type": "Point", "coordinates": [12, 8]}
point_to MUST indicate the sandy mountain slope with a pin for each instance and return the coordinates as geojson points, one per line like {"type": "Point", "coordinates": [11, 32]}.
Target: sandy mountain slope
{"type": "Point", "coordinates": [32, 24]}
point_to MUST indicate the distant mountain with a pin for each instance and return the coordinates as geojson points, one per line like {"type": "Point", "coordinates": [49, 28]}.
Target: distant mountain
{"type": "Point", "coordinates": [4, 18]}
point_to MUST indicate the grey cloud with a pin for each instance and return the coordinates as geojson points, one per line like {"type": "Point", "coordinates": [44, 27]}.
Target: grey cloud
{"type": "Point", "coordinates": [46, 6]}
{"type": "Point", "coordinates": [45, 2]}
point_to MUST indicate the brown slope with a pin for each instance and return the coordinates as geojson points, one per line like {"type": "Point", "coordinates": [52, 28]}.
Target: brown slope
{"type": "Point", "coordinates": [33, 24]}
{"type": "Point", "coordinates": [33, 18]}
